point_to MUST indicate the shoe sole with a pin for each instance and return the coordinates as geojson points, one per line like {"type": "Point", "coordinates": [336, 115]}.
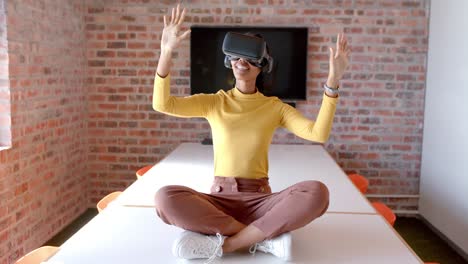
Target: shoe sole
{"type": "Point", "coordinates": [177, 244]}
{"type": "Point", "coordinates": [287, 243]}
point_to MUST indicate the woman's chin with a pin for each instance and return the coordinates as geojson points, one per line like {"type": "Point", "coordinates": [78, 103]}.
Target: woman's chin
{"type": "Point", "coordinates": [241, 74]}
{"type": "Point", "coordinates": [243, 77]}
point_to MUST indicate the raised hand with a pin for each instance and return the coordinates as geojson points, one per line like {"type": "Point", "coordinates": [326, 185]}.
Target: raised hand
{"type": "Point", "coordinates": [171, 36]}
{"type": "Point", "coordinates": [339, 59]}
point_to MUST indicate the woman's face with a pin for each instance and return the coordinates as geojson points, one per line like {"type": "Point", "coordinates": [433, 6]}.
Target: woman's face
{"type": "Point", "coordinates": [244, 71]}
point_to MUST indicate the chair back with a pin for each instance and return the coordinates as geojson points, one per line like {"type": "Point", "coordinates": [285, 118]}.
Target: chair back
{"type": "Point", "coordinates": [38, 255]}
{"type": "Point", "coordinates": [104, 202]}
{"type": "Point", "coordinates": [360, 182]}
{"type": "Point", "coordinates": [385, 211]}
{"type": "Point", "coordinates": [142, 171]}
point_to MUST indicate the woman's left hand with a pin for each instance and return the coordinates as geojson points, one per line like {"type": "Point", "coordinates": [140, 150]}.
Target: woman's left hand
{"type": "Point", "coordinates": [339, 59]}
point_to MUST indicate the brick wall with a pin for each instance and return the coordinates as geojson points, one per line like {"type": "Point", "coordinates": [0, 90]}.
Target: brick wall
{"type": "Point", "coordinates": [43, 176]}
{"type": "Point", "coordinates": [81, 75]}
{"type": "Point", "coordinates": [378, 125]}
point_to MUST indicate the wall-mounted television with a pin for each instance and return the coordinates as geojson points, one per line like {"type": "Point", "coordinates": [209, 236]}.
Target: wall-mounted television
{"type": "Point", "coordinates": [288, 47]}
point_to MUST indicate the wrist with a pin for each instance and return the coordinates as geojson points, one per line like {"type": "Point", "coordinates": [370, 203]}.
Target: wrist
{"type": "Point", "coordinates": [332, 83]}
{"type": "Point", "coordinates": [331, 91]}
{"type": "Point", "coordinates": [166, 52]}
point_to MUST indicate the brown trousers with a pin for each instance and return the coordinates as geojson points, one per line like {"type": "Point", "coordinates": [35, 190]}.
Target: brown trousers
{"type": "Point", "coordinates": [248, 201]}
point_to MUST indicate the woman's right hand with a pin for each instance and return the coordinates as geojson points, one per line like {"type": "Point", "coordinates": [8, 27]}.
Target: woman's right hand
{"type": "Point", "coordinates": [171, 36]}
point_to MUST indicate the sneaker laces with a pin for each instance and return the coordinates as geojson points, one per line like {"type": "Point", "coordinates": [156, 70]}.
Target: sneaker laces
{"type": "Point", "coordinates": [218, 252]}
{"type": "Point", "coordinates": [265, 245]}
{"type": "Point", "coordinates": [253, 248]}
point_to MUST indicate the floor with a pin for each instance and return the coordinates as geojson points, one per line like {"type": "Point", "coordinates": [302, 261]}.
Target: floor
{"type": "Point", "coordinates": [427, 244]}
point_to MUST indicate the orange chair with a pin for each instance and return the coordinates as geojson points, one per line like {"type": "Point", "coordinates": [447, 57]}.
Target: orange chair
{"type": "Point", "coordinates": [38, 255]}
{"type": "Point", "coordinates": [104, 202]}
{"type": "Point", "coordinates": [142, 171]}
{"type": "Point", "coordinates": [359, 181]}
{"type": "Point", "coordinates": [362, 184]}
{"type": "Point", "coordinates": [386, 212]}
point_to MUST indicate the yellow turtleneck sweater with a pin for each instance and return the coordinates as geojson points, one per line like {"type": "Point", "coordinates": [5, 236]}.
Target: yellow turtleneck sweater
{"type": "Point", "coordinates": [243, 124]}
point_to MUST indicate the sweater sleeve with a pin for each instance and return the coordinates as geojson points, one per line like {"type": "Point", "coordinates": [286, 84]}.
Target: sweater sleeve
{"type": "Point", "coordinates": [198, 105]}
{"type": "Point", "coordinates": [318, 130]}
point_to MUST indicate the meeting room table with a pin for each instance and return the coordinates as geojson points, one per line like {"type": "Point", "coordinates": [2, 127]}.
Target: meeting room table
{"type": "Point", "coordinates": [129, 230]}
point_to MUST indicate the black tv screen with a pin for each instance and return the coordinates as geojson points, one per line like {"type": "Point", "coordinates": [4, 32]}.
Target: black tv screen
{"type": "Point", "coordinates": [288, 47]}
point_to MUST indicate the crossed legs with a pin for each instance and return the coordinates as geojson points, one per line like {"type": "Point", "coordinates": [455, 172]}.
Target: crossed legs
{"type": "Point", "coordinates": [271, 215]}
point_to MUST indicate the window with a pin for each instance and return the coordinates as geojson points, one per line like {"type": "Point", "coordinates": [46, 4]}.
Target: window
{"type": "Point", "coordinates": [5, 107]}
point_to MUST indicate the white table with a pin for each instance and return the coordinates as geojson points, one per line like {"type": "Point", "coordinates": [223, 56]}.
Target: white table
{"type": "Point", "coordinates": [191, 164]}
{"type": "Point", "coordinates": [136, 235]}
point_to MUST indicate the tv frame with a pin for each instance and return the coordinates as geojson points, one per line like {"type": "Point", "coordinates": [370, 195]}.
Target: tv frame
{"type": "Point", "coordinates": [303, 97]}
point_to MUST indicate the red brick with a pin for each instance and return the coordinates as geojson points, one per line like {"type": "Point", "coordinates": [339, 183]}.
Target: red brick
{"type": "Point", "coordinates": [369, 138]}
{"type": "Point", "coordinates": [402, 147]}
{"type": "Point", "coordinates": [116, 45]}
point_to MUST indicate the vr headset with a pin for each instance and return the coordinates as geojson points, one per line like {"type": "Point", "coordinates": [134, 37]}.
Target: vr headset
{"type": "Point", "coordinates": [250, 48]}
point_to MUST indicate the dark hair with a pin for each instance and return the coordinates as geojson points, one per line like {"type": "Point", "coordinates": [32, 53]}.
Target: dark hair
{"type": "Point", "coordinates": [259, 82]}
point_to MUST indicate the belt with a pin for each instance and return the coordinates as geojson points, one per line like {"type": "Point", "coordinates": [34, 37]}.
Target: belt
{"type": "Point", "coordinates": [236, 185]}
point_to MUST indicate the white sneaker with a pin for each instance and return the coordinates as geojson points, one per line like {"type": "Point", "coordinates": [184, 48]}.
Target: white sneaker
{"type": "Point", "coordinates": [191, 245]}
{"type": "Point", "coordinates": [279, 246]}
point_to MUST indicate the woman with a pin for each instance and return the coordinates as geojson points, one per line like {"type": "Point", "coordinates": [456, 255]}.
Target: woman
{"type": "Point", "coordinates": [241, 211]}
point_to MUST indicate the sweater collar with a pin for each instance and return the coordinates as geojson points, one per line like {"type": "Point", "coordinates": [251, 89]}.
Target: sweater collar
{"type": "Point", "coordinates": [237, 93]}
